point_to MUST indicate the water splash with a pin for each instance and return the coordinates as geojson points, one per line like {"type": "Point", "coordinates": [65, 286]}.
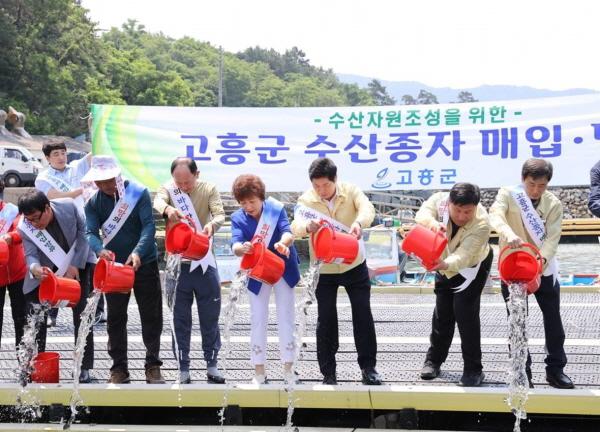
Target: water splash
{"type": "Point", "coordinates": [87, 321]}
{"type": "Point", "coordinates": [172, 273]}
{"type": "Point", "coordinates": [238, 284]}
{"type": "Point", "coordinates": [518, 384]}
{"type": "Point", "coordinates": [27, 405]}
{"type": "Point", "coordinates": [309, 283]}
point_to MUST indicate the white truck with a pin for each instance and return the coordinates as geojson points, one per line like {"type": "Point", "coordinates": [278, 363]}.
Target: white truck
{"type": "Point", "coordinates": [18, 167]}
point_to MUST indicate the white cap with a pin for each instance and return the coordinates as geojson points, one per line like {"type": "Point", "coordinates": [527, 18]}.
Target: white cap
{"type": "Point", "coordinates": [103, 168]}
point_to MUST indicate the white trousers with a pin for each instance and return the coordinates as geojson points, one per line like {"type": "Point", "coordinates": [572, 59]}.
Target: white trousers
{"type": "Point", "coordinates": [259, 319]}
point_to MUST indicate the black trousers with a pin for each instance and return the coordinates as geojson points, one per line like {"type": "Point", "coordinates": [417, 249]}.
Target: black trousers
{"type": "Point", "coordinates": [358, 286]}
{"type": "Point", "coordinates": [461, 308]}
{"type": "Point", "coordinates": [17, 306]}
{"type": "Point", "coordinates": [32, 298]}
{"type": "Point", "coordinates": [548, 299]}
{"type": "Point", "coordinates": [146, 289]}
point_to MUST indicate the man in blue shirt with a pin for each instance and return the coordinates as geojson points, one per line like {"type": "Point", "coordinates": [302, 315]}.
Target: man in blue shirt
{"type": "Point", "coordinates": [63, 180]}
{"type": "Point", "coordinates": [125, 208]}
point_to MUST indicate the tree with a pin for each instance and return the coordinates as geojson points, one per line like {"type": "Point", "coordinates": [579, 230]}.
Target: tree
{"type": "Point", "coordinates": [465, 96]}
{"type": "Point", "coordinates": [408, 100]}
{"type": "Point", "coordinates": [379, 93]}
{"type": "Point", "coordinates": [426, 98]}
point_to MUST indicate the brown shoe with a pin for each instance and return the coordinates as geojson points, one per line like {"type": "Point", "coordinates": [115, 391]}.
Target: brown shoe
{"type": "Point", "coordinates": [119, 377]}
{"type": "Point", "coordinates": [153, 375]}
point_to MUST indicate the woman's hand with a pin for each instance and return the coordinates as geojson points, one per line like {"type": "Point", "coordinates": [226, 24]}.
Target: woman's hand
{"type": "Point", "coordinates": [282, 249]}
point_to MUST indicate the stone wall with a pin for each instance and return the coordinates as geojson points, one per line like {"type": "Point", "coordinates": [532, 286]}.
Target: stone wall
{"type": "Point", "coordinates": [574, 200]}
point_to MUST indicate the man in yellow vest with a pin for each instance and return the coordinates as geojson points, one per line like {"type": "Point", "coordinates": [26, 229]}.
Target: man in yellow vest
{"type": "Point", "coordinates": [529, 213]}
{"type": "Point", "coordinates": [461, 273]}
{"type": "Point", "coordinates": [346, 207]}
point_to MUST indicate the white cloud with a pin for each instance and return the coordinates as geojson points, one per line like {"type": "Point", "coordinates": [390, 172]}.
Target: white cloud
{"type": "Point", "coordinates": [461, 43]}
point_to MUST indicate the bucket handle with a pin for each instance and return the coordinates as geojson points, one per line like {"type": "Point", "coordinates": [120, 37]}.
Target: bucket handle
{"type": "Point", "coordinates": [191, 223]}
{"type": "Point", "coordinates": [533, 248]}
{"type": "Point", "coordinates": [323, 223]}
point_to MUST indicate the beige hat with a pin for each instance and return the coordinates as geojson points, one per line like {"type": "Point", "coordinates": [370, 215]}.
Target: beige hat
{"type": "Point", "coordinates": [103, 168]}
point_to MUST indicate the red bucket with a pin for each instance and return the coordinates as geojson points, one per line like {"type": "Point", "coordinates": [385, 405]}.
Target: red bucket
{"type": "Point", "coordinates": [45, 368]}
{"type": "Point", "coordinates": [3, 253]}
{"type": "Point", "coordinates": [425, 244]}
{"type": "Point", "coordinates": [184, 239]}
{"type": "Point", "coordinates": [330, 245]}
{"type": "Point", "coordinates": [59, 291]}
{"type": "Point", "coordinates": [521, 266]}
{"type": "Point", "coordinates": [113, 277]}
{"type": "Point", "coordinates": [265, 265]}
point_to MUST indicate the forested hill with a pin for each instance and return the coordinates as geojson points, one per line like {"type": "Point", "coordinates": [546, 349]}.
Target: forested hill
{"type": "Point", "coordinates": [54, 62]}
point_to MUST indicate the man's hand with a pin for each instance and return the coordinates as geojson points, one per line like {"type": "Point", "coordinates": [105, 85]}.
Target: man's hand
{"type": "Point", "coordinates": [312, 226]}
{"type": "Point", "coordinates": [37, 271]}
{"type": "Point", "coordinates": [6, 238]}
{"type": "Point", "coordinates": [438, 227]}
{"type": "Point", "coordinates": [440, 265]}
{"type": "Point", "coordinates": [76, 192]}
{"type": "Point", "coordinates": [356, 230]}
{"type": "Point", "coordinates": [72, 273]}
{"type": "Point", "coordinates": [514, 242]}
{"type": "Point", "coordinates": [106, 254]}
{"type": "Point", "coordinates": [208, 230]}
{"type": "Point", "coordinates": [134, 260]}
{"type": "Point", "coordinates": [282, 249]}
{"type": "Point", "coordinates": [174, 214]}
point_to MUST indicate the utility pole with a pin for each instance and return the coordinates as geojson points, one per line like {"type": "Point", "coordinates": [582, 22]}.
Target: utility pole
{"type": "Point", "coordinates": [220, 76]}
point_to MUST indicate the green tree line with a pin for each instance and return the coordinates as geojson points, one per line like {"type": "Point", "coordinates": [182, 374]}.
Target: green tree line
{"type": "Point", "coordinates": [54, 62]}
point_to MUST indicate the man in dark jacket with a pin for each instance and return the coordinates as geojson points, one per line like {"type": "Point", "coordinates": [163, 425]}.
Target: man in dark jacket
{"type": "Point", "coordinates": [124, 207]}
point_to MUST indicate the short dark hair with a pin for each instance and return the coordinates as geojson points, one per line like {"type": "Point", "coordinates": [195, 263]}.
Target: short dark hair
{"type": "Point", "coordinates": [322, 167]}
{"type": "Point", "coordinates": [248, 186]}
{"type": "Point", "coordinates": [49, 147]}
{"type": "Point", "coordinates": [537, 168]}
{"type": "Point", "coordinates": [465, 194]}
{"type": "Point", "coordinates": [33, 200]}
{"type": "Point", "coordinates": [189, 162]}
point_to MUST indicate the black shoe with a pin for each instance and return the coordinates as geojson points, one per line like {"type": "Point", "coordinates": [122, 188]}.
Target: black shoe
{"type": "Point", "coordinates": [215, 379]}
{"type": "Point", "coordinates": [430, 371]}
{"type": "Point", "coordinates": [84, 376]}
{"type": "Point", "coordinates": [559, 380]}
{"type": "Point", "coordinates": [329, 379]}
{"type": "Point", "coordinates": [370, 377]}
{"type": "Point", "coordinates": [471, 379]}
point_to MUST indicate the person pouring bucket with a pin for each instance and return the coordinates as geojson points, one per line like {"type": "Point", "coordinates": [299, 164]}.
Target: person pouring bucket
{"type": "Point", "coordinates": [346, 208]}
{"type": "Point", "coordinates": [265, 220]}
{"type": "Point", "coordinates": [461, 273]}
{"type": "Point", "coordinates": [120, 226]}
{"type": "Point", "coordinates": [186, 198]}
{"type": "Point", "coordinates": [53, 233]}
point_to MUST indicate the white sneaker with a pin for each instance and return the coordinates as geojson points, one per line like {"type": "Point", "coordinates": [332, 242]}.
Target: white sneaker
{"type": "Point", "coordinates": [259, 379]}
{"type": "Point", "coordinates": [290, 378]}
{"type": "Point", "coordinates": [184, 378]}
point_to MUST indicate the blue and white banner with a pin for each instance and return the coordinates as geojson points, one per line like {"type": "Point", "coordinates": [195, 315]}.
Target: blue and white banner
{"type": "Point", "coordinates": [377, 148]}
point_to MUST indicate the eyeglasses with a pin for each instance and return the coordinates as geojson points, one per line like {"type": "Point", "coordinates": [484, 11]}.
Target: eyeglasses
{"type": "Point", "coordinates": [35, 219]}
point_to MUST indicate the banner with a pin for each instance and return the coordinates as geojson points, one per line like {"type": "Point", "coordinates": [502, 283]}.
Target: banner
{"type": "Point", "coordinates": [378, 148]}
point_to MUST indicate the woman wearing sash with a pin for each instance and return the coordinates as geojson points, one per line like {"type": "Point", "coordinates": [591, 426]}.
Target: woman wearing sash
{"type": "Point", "coordinates": [266, 218]}
{"type": "Point", "coordinates": [530, 213]}
{"type": "Point", "coordinates": [461, 273]}
{"type": "Point", "coordinates": [13, 272]}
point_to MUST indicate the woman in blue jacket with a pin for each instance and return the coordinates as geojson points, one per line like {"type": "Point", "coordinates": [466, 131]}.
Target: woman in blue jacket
{"type": "Point", "coordinates": [266, 218]}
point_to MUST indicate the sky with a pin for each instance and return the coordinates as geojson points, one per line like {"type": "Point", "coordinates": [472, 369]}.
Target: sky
{"type": "Point", "coordinates": [442, 43]}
